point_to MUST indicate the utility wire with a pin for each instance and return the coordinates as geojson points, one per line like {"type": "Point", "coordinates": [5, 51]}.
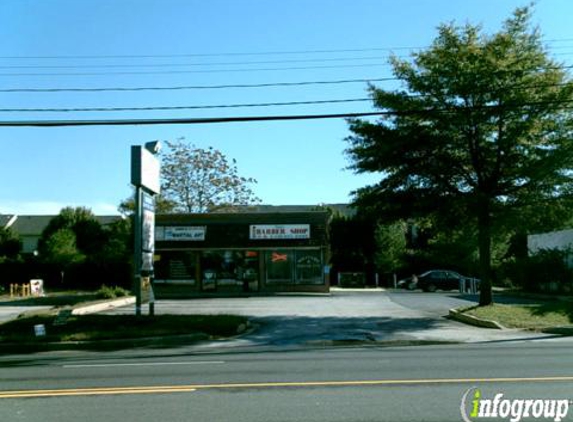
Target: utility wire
{"type": "Point", "coordinates": [211, 120]}
{"type": "Point", "coordinates": [175, 72]}
{"type": "Point", "coordinates": [235, 54]}
{"type": "Point", "coordinates": [243, 63]}
{"type": "Point", "coordinates": [162, 65]}
{"type": "Point", "coordinates": [243, 105]}
{"type": "Point", "coordinates": [186, 121]}
{"type": "Point", "coordinates": [226, 63]}
{"type": "Point", "coordinates": [163, 108]}
{"type": "Point", "coordinates": [225, 86]}
{"type": "Point", "coordinates": [198, 87]}
{"type": "Point", "coordinates": [227, 54]}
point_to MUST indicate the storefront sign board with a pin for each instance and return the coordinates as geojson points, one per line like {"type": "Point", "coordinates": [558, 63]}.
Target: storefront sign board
{"type": "Point", "coordinates": [279, 231]}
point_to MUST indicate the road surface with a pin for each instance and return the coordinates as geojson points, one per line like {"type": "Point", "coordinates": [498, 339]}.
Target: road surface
{"type": "Point", "coordinates": [322, 384]}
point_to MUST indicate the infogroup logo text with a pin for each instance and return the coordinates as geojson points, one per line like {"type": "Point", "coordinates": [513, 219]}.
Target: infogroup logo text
{"type": "Point", "coordinates": [512, 409]}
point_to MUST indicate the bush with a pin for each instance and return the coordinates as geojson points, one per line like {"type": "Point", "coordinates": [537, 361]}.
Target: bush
{"type": "Point", "coordinates": [113, 292]}
{"type": "Point", "coordinates": [547, 271]}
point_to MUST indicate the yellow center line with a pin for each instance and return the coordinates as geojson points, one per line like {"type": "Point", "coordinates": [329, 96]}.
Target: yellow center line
{"type": "Point", "coordinates": [300, 384]}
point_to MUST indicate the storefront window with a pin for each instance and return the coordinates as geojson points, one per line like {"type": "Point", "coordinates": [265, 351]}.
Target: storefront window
{"type": "Point", "coordinates": [308, 267]}
{"type": "Point", "coordinates": [279, 266]}
{"type": "Point", "coordinates": [176, 267]}
{"type": "Point", "coordinates": [250, 269]}
{"type": "Point", "coordinates": [237, 269]}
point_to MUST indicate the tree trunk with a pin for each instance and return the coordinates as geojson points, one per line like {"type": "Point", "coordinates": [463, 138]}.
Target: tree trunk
{"type": "Point", "coordinates": [484, 244]}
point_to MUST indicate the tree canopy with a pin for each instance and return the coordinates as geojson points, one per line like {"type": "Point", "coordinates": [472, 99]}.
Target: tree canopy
{"type": "Point", "coordinates": [72, 229]}
{"type": "Point", "coordinates": [202, 180]}
{"type": "Point", "coordinates": [10, 244]}
{"type": "Point", "coordinates": [76, 243]}
{"type": "Point", "coordinates": [481, 130]}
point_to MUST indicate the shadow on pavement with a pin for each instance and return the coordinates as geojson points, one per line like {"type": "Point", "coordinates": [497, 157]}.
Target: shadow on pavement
{"type": "Point", "coordinates": [301, 329]}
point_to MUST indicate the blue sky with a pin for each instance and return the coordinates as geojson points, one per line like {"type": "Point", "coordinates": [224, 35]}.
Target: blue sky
{"type": "Point", "coordinates": [65, 44]}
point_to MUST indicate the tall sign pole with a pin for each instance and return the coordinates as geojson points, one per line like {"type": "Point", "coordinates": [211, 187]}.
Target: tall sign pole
{"type": "Point", "coordinates": [145, 179]}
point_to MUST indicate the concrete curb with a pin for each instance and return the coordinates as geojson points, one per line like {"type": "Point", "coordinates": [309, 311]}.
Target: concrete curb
{"type": "Point", "coordinates": [357, 289]}
{"type": "Point", "coordinates": [103, 306]}
{"type": "Point", "coordinates": [461, 316]}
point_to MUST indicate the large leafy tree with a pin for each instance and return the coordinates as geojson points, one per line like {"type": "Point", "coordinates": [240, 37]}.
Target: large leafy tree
{"type": "Point", "coordinates": [74, 242]}
{"type": "Point", "coordinates": [162, 205]}
{"type": "Point", "coordinates": [10, 244]}
{"type": "Point", "coordinates": [481, 129]}
{"type": "Point", "coordinates": [89, 237]}
{"type": "Point", "coordinates": [202, 180]}
{"type": "Point", "coordinates": [391, 244]}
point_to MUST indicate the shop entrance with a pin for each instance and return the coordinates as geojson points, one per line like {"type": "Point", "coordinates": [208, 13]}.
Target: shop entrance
{"type": "Point", "coordinates": [231, 271]}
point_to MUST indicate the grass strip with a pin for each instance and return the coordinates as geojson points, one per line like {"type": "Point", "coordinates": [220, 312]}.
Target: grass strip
{"type": "Point", "coordinates": [117, 327]}
{"type": "Point", "coordinates": [536, 316]}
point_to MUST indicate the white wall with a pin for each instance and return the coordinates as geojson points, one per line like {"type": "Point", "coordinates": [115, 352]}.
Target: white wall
{"type": "Point", "coordinates": [554, 240]}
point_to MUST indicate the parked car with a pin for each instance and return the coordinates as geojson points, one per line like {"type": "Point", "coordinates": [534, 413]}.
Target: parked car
{"type": "Point", "coordinates": [433, 280]}
{"type": "Point", "coordinates": [410, 283]}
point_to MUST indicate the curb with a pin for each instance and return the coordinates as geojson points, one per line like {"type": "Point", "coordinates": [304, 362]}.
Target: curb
{"type": "Point", "coordinates": [357, 289]}
{"type": "Point", "coordinates": [459, 315]}
{"type": "Point", "coordinates": [561, 331]}
{"type": "Point", "coordinates": [103, 306]}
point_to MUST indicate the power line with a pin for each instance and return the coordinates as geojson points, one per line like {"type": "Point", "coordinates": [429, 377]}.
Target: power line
{"type": "Point", "coordinates": [186, 121]}
{"type": "Point", "coordinates": [221, 86]}
{"type": "Point", "coordinates": [199, 87]}
{"type": "Point", "coordinates": [233, 54]}
{"type": "Point", "coordinates": [164, 108]}
{"type": "Point", "coordinates": [226, 54]}
{"type": "Point", "coordinates": [242, 63]}
{"type": "Point", "coordinates": [243, 105]}
{"type": "Point", "coordinates": [175, 72]}
{"type": "Point", "coordinates": [211, 120]}
{"type": "Point", "coordinates": [162, 65]}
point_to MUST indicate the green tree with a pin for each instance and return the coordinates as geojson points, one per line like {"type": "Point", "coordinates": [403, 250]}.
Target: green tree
{"type": "Point", "coordinates": [10, 244]}
{"type": "Point", "coordinates": [89, 236]}
{"type": "Point", "coordinates": [202, 180]}
{"type": "Point", "coordinates": [391, 246]}
{"type": "Point", "coordinates": [352, 243]}
{"type": "Point", "coordinates": [75, 243]}
{"type": "Point", "coordinates": [61, 249]}
{"type": "Point", "coordinates": [162, 205]}
{"type": "Point", "coordinates": [481, 130]}
{"type": "Point", "coordinates": [119, 245]}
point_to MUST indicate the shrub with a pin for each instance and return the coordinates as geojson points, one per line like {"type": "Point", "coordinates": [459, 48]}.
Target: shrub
{"type": "Point", "coordinates": [112, 292]}
{"type": "Point", "coordinates": [547, 271]}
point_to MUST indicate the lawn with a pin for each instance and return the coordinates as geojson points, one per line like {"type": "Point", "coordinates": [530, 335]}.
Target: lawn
{"type": "Point", "coordinates": [117, 327]}
{"type": "Point", "coordinates": [537, 316]}
{"type": "Point", "coordinates": [63, 298]}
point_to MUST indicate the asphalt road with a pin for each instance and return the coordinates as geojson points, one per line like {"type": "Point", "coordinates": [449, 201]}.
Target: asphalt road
{"type": "Point", "coordinates": [321, 384]}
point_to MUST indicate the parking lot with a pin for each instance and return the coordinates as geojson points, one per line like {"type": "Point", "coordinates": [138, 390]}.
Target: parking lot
{"type": "Point", "coordinates": [344, 316]}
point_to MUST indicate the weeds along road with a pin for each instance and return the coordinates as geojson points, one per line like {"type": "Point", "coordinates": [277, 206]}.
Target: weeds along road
{"type": "Point", "coordinates": [322, 384]}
